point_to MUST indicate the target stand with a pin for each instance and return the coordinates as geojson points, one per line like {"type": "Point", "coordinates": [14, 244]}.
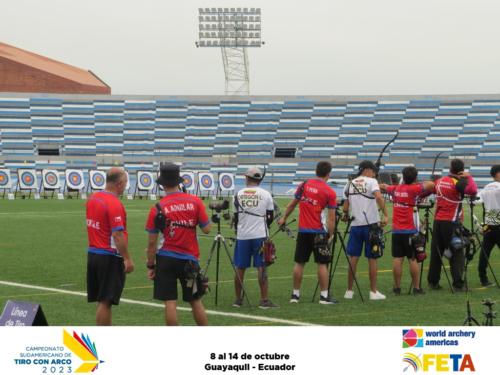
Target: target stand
{"type": "Point", "coordinates": [97, 181]}
{"type": "Point", "coordinates": [26, 184]}
{"type": "Point", "coordinates": [206, 184]}
{"type": "Point", "coordinates": [5, 184]}
{"type": "Point", "coordinates": [74, 184]}
{"type": "Point", "coordinates": [145, 186]}
{"type": "Point", "coordinates": [226, 185]}
{"type": "Point", "coordinates": [51, 184]}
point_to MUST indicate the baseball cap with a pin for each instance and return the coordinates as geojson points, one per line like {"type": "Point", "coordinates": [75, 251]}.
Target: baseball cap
{"type": "Point", "coordinates": [170, 174]}
{"type": "Point", "coordinates": [255, 173]}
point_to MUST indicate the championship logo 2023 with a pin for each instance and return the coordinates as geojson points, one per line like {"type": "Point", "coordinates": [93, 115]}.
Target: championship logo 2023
{"type": "Point", "coordinates": [78, 354]}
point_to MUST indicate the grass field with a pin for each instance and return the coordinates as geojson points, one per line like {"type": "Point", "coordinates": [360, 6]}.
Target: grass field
{"type": "Point", "coordinates": [43, 244]}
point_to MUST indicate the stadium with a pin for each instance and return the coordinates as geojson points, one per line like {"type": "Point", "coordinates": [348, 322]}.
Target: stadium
{"type": "Point", "coordinates": [57, 140]}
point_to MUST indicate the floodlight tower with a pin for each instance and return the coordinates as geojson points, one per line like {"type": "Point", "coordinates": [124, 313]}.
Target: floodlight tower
{"type": "Point", "coordinates": [233, 30]}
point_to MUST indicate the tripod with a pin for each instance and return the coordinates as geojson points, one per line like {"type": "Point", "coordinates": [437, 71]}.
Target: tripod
{"type": "Point", "coordinates": [337, 236]}
{"type": "Point", "coordinates": [469, 319]}
{"type": "Point", "coordinates": [489, 314]}
{"type": "Point", "coordinates": [216, 246]}
{"type": "Point", "coordinates": [473, 223]}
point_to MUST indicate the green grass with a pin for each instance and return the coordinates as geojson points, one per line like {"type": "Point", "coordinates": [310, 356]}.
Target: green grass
{"type": "Point", "coordinates": [44, 243]}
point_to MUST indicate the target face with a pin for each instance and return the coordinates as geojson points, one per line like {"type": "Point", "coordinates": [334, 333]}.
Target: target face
{"type": "Point", "coordinates": [4, 179]}
{"type": "Point", "coordinates": [188, 181]}
{"type": "Point", "coordinates": [98, 180]}
{"type": "Point", "coordinates": [27, 179]}
{"type": "Point", "coordinates": [50, 179]}
{"type": "Point", "coordinates": [145, 180]}
{"type": "Point", "coordinates": [206, 181]}
{"type": "Point", "coordinates": [226, 181]}
{"type": "Point", "coordinates": [74, 179]}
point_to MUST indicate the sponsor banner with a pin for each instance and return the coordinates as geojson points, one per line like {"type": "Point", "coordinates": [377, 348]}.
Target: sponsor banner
{"type": "Point", "coordinates": [145, 181]}
{"type": "Point", "coordinates": [27, 179]}
{"type": "Point", "coordinates": [226, 181]}
{"type": "Point", "coordinates": [5, 180]}
{"type": "Point", "coordinates": [206, 181]}
{"type": "Point", "coordinates": [188, 180]}
{"type": "Point", "coordinates": [247, 350]}
{"type": "Point", "coordinates": [51, 180]}
{"type": "Point", "coordinates": [97, 180]}
{"type": "Point", "coordinates": [74, 179]}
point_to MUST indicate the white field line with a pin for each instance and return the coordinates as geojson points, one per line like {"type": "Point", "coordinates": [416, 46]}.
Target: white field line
{"type": "Point", "coordinates": [151, 304]}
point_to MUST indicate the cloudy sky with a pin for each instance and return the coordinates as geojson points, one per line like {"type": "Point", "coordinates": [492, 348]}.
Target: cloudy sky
{"type": "Point", "coordinates": [314, 47]}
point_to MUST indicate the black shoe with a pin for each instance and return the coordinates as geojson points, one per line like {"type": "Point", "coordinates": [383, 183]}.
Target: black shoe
{"type": "Point", "coordinates": [396, 291]}
{"type": "Point", "coordinates": [327, 301]}
{"type": "Point", "coordinates": [459, 288]}
{"type": "Point", "coordinates": [486, 282]}
{"type": "Point", "coordinates": [294, 298]}
{"type": "Point", "coordinates": [435, 286]}
{"type": "Point", "coordinates": [417, 291]}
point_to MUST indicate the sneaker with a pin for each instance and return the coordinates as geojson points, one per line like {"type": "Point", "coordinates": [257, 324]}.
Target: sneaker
{"type": "Point", "coordinates": [435, 286]}
{"type": "Point", "coordinates": [376, 296]}
{"type": "Point", "coordinates": [327, 301]}
{"type": "Point", "coordinates": [238, 302]}
{"type": "Point", "coordinates": [486, 282]}
{"type": "Point", "coordinates": [349, 294]}
{"type": "Point", "coordinates": [396, 291]}
{"type": "Point", "coordinates": [267, 304]}
{"type": "Point", "coordinates": [417, 291]}
{"type": "Point", "coordinates": [294, 298]}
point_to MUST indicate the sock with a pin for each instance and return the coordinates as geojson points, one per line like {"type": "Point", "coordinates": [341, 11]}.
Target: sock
{"type": "Point", "coordinates": [296, 292]}
{"type": "Point", "coordinates": [324, 293]}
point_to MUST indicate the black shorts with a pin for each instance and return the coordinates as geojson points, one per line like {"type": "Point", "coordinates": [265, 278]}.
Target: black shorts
{"type": "Point", "coordinates": [105, 278]}
{"type": "Point", "coordinates": [168, 271]}
{"type": "Point", "coordinates": [305, 246]}
{"type": "Point", "coordinates": [401, 246]}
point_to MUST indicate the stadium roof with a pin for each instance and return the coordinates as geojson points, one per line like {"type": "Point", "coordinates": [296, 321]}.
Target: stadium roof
{"type": "Point", "coordinates": [87, 81]}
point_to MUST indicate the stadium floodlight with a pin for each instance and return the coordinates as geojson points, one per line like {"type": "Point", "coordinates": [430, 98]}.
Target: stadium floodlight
{"type": "Point", "coordinates": [233, 30]}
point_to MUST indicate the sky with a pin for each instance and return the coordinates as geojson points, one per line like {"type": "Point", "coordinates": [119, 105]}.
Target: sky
{"type": "Point", "coordinates": [314, 47]}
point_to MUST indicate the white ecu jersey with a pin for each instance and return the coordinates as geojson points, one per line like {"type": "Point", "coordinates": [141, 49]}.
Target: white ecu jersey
{"type": "Point", "coordinates": [490, 196]}
{"type": "Point", "coordinates": [362, 201]}
{"type": "Point", "coordinates": [253, 202]}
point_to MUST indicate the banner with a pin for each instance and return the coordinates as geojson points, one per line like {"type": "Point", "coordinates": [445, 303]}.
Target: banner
{"type": "Point", "coordinates": [74, 179]}
{"type": "Point", "coordinates": [27, 179]}
{"type": "Point", "coordinates": [5, 181]}
{"type": "Point", "coordinates": [226, 181]}
{"type": "Point", "coordinates": [50, 179]}
{"type": "Point", "coordinates": [145, 181]}
{"type": "Point", "coordinates": [97, 180]}
{"type": "Point", "coordinates": [188, 180]}
{"type": "Point", "coordinates": [206, 181]}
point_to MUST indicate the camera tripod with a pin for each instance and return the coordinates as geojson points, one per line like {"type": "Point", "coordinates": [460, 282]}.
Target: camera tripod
{"type": "Point", "coordinates": [216, 246]}
{"type": "Point", "coordinates": [489, 314]}
{"type": "Point", "coordinates": [469, 319]}
{"type": "Point", "coordinates": [337, 236]}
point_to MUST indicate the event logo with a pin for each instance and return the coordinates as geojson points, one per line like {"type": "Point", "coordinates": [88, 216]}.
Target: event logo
{"type": "Point", "coordinates": [83, 348]}
{"type": "Point", "coordinates": [413, 338]}
{"type": "Point", "coordinates": [439, 362]}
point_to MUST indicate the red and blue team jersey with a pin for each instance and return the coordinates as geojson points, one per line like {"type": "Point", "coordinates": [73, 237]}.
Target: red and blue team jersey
{"type": "Point", "coordinates": [404, 199]}
{"type": "Point", "coordinates": [448, 198]}
{"type": "Point", "coordinates": [105, 215]}
{"type": "Point", "coordinates": [183, 213]}
{"type": "Point", "coordinates": [314, 195]}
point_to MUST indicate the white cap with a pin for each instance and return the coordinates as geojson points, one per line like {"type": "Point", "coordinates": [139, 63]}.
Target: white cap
{"type": "Point", "coordinates": [255, 173]}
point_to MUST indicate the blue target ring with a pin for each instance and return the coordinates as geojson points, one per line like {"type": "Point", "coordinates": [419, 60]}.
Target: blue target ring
{"type": "Point", "coordinates": [51, 179]}
{"type": "Point", "coordinates": [75, 178]}
{"type": "Point", "coordinates": [4, 178]}
{"type": "Point", "coordinates": [227, 181]}
{"type": "Point", "coordinates": [187, 180]}
{"type": "Point", "coordinates": [98, 179]}
{"type": "Point", "coordinates": [28, 179]}
{"type": "Point", "coordinates": [206, 182]}
{"type": "Point", "coordinates": [146, 180]}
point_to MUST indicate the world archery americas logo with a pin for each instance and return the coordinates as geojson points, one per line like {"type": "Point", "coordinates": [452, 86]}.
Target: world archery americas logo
{"type": "Point", "coordinates": [413, 338]}
{"type": "Point", "coordinates": [413, 361]}
{"type": "Point", "coordinates": [83, 348]}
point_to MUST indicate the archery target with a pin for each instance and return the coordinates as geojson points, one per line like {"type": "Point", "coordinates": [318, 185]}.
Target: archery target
{"type": "Point", "coordinates": [226, 181]}
{"type": "Point", "coordinates": [74, 179]}
{"type": "Point", "coordinates": [5, 181]}
{"type": "Point", "coordinates": [127, 187]}
{"type": "Point", "coordinates": [97, 180]}
{"type": "Point", "coordinates": [188, 180]}
{"type": "Point", "coordinates": [50, 179]}
{"type": "Point", "coordinates": [206, 181]}
{"type": "Point", "coordinates": [27, 179]}
{"type": "Point", "coordinates": [145, 181]}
